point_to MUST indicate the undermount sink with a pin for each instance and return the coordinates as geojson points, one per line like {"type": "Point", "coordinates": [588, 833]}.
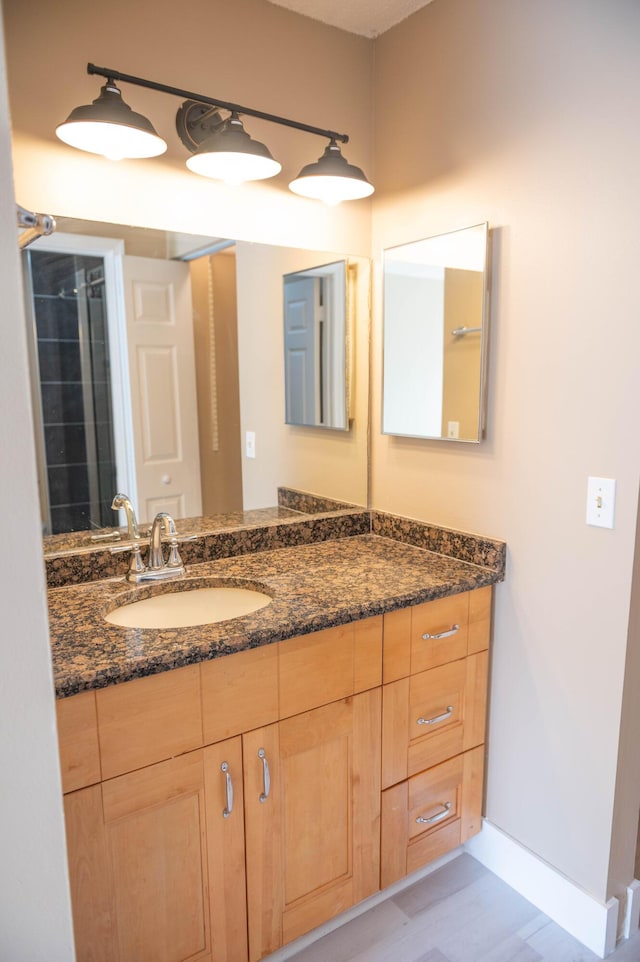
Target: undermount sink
{"type": "Point", "coordinates": [185, 609]}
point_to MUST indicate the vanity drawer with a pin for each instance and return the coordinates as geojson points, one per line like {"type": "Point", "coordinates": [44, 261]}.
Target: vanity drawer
{"type": "Point", "coordinates": [430, 814]}
{"type": "Point", "coordinates": [462, 621]}
{"type": "Point", "coordinates": [150, 719]}
{"type": "Point", "coordinates": [432, 716]}
{"type": "Point", "coordinates": [329, 665]}
{"type": "Point", "coordinates": [239, 692]}
{"type": "Point", "coordinates": [439, 631]}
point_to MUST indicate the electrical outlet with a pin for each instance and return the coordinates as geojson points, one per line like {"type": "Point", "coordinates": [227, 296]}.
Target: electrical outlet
{"type": "Point", "coordinates": [250, 444]}
{"type": "Point", "coordinates": [601, 502]}
{"type": "Point", "coordinates": [453, 429]}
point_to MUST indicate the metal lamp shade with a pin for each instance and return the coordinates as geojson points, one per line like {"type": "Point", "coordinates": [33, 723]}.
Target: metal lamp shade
{"type": "Point", "coordinates": [332, 179]}
{"type": "Point", "coordinates": [108, 126]}
{"type": "Point", "coordinates": [231, 155]}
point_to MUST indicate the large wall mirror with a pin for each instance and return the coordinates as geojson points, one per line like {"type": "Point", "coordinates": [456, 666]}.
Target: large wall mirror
{"type": "Point", "coordinates": [153, 354]}
{"type": "Point", "coordinates": [436, 336]}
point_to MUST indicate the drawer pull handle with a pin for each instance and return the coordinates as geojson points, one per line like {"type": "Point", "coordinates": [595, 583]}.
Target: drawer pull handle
{"type": "Point", "coordinates": [441, 634]}
{"type": "Point", "coordinates": [226, 812]}
{"type": "Point", "coordinates": [435, 818]}
{"type": "Point", "coordinates": [266, 778]}
{"type": "Point", "coordinates": [436, 718]}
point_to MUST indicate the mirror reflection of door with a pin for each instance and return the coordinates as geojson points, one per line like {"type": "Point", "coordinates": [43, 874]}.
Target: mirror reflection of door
{"type": "Point", "coordinates": [94, 320]}
{"type": "Point", "coordinates": [315, 336]}
{"type": "Point", "coordinates": [302, 325]}
{"type": "Point", "coordinates": [163, 390]}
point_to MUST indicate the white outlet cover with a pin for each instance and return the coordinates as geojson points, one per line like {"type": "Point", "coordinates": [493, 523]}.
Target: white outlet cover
{"type": "Point", "coordinates": [601, 502]}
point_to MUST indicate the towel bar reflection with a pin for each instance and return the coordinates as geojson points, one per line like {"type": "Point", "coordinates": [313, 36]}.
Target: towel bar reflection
{"type": "Point", "coordinates": [461, 331]}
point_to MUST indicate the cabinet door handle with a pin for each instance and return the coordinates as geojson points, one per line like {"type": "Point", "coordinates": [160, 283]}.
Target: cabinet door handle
{"type": "Point", "coordinates": [436, 718]}
{"type": "Point", "coordinates": [266, 778]}
{"type": "Point", "coordinates": [435, 818]}
{"type": "Point", "coordinates": [226, 812]}
{"type": "Point", "coordinates": [441, 634]}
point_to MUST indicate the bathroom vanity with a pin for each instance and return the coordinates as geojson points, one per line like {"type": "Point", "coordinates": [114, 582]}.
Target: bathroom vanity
{"type": "Point", "coordinates": [229, 787]}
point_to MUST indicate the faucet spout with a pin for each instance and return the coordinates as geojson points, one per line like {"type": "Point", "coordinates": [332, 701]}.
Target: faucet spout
{"type": "Point", "coordinates": [122, 501]}
{"type": "Point", "coordinates": [162, 521]}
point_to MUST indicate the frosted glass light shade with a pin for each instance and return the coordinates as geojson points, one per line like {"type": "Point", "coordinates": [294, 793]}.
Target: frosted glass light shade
{"type": "Point", "coordinates": [332, 179]}
{"type": "Point", "coordinates": [108, 126]}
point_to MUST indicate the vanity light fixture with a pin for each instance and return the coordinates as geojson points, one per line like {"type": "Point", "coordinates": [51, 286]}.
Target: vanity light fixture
{"type": "Point", "coordinates": [219, 146]}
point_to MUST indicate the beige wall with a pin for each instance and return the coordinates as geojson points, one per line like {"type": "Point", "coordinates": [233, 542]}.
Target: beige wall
{"type": "Point", "coordinates": [519, 114]}
{"type": "Point", "coordinates": [213, 288]}
{"type": "Point", "coordinates": [246, 51]}
{"type": "Point", "coordinates": [462, 356]}
{"type": "Point", "coordinates": [35, 914]}
{"type": "Point", "coordinates": [332, 463]}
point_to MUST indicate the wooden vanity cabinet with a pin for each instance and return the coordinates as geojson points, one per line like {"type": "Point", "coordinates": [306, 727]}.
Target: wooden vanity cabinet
{"type": "Point", "coordinates": [433, 727]}
{"type": "Point", "coordinates": [156, 859]}
{"type": "Point", "coordinates": [218, 811]}
{"type": "Point", "coordinates": [283, 740]}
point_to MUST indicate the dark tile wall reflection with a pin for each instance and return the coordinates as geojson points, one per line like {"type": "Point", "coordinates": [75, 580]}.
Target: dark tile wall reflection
{"type": "Point", "coordinates": [73, 357]}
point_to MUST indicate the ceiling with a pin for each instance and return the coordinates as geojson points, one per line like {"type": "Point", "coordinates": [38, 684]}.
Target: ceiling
{"type": "Point", "coordinates": [369, 18]}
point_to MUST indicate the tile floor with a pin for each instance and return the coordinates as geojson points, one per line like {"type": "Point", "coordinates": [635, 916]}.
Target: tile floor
{"type": "Point", "coordinates": [460, 913]}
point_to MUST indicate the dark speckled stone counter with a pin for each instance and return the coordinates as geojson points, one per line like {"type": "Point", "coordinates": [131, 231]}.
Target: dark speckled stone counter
{"type": "Point", "coordinates": [313, 586]}
{"type": "Point", "coordinates": [69, 559]}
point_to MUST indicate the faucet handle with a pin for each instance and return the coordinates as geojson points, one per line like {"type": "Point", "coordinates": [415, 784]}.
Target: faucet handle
{"type": "Point", "coordinates": [174, 560]}
{"type": "Point", "coordinates": [136, 564]}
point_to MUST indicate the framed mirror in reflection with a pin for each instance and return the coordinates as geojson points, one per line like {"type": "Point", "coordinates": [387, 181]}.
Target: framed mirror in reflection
{"type": "Point", "coordinates": [152, 355]}
{"type": "Point", "coordinates": [315, 346]}
{"type": "Point", "coordinates": [435, 336]}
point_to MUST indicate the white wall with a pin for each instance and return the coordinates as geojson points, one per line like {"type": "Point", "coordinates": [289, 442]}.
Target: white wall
{"type": "Point", "coordinates": [413, 352]}
{"type": "Point", "coordinates": [521, 114]}
{"type": "Point", "coordinates": [35, 915]}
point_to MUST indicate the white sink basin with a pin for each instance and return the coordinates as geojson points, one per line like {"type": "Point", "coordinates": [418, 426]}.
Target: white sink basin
{"type": "Point", "coordinates": [184, 609]}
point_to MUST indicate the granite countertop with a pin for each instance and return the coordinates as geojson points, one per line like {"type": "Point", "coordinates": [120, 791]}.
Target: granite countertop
{"type": "Point", "coordinates": [313, 586]}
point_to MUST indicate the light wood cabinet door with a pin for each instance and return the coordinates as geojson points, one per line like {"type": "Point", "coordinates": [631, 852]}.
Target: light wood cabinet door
{"type": "Point", "coordinates": [313, 828]}
{"type": "Point", "coordinates": [225, 847]}
{"type": "Point", "coordinates": [157, 871]}
{"type": "Point", "coordinates": [91, 892]}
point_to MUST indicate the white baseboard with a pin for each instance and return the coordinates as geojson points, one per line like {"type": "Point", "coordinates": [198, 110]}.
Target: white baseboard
{"type": "Point", "coordinates": [632, 914]}
{"type": "Point", "coordinates": [591, 922]}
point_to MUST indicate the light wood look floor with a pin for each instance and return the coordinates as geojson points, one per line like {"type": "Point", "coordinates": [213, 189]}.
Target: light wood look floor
{"type": "Point", "coordinates": [460, 913]}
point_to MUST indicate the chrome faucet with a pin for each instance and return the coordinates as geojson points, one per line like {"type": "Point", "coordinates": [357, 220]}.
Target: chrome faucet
{"type": "Point", "coordinates": [122, 501]}
{"type": "Point", "coordinates": [156, 568]}
{"type": "Point", "coordinates": [173, 568]}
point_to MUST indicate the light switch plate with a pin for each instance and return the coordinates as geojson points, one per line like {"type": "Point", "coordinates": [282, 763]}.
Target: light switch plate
{"type": "Point", "coordinates": [601, 502]}
{"type": "Point", "coordinates": [250, 444]}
